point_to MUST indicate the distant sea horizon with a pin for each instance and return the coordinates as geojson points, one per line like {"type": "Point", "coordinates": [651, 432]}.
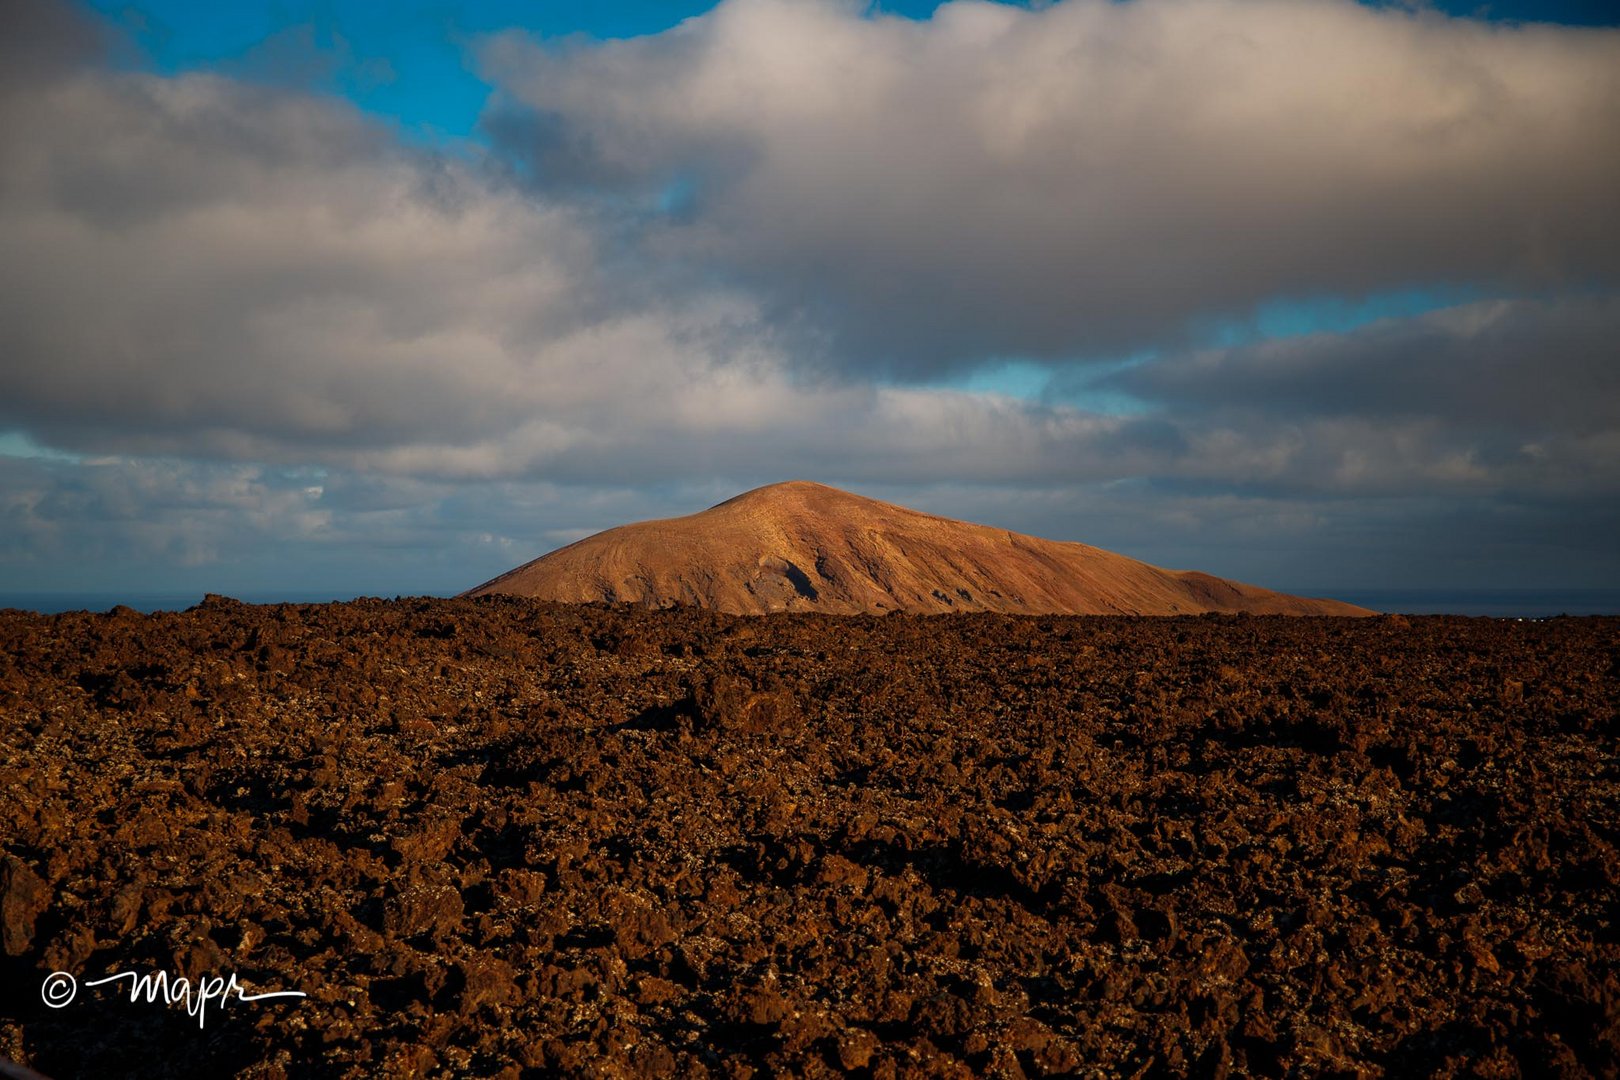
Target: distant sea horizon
{"type": "Point", "coordinates": [55, 603]}
{"type": "Point", "coordinates": [1493, 603]}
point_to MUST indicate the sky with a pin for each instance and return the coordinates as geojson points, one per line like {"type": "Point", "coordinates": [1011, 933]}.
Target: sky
{"type": "Point", "coordinates": [325, 298]}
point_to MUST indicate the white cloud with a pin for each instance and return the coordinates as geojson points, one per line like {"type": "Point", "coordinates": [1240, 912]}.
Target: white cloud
{"type": "Point", "coordinates": [197, 268]}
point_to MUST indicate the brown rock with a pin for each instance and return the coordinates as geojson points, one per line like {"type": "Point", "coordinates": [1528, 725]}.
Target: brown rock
{"type": "Point", "coordinates": [419, 909]}
{"type": "Point", "coordinates": [24, 897]}
{"type": "Point", "coordinates": [730, 703]}
{"type": "Point", "coordinates": [855, 1048]}
{"type": "Point", "coordinates": [921, 876]}
{"type": "Point", "coordinates": [763, 1007]}
{"type": "Point", "coordinates": [837, 870]}
{"type": "Point", "coordinates": [484, 981]}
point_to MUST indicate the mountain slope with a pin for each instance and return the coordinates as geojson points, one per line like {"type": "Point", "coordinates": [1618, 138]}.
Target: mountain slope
{"type": "Point", "coordinates": [800, 546]}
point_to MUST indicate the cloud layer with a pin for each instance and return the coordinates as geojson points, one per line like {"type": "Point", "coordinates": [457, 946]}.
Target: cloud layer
{"type": "Point", "coordinates": [192, 266]}
{"type": "Point", "coordinates": [1519, 397]}
{"type": "Point", "coordinates": [751, 248]}
{"type": "Point", "coordinates": [1090, 176]}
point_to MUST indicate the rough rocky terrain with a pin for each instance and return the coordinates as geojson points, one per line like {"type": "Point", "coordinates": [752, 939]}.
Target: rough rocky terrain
{"type": "Point", "coordinates": [806, 547]}
{"type": "Point", "coordinates": [500, 837]}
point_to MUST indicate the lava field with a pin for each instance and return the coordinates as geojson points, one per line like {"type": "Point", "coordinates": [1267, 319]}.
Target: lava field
{"type": "Point", "coordinates": [500, 837]}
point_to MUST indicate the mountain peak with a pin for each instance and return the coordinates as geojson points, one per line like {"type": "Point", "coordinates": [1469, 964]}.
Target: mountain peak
{"type": "Point", "coordinates": [785, 491]}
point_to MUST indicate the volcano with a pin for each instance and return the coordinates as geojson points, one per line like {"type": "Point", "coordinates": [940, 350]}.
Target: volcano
{"type": "Point", "coordinates": [801, 546]}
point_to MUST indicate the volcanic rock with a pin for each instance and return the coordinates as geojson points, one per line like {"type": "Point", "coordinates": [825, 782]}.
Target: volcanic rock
{"type": "Point", "coordinates": [988, 845]}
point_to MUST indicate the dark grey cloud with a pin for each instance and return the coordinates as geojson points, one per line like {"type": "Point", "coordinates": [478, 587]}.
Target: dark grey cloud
{"type": "Point", "coordinates": [1529, 366]}
{"type": "Point", "coordinates": [1092, 176]}
{"type": "Point", "coordinates": [41, 38]}
{"type": "Point", "coordinates": [1517, 397]}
